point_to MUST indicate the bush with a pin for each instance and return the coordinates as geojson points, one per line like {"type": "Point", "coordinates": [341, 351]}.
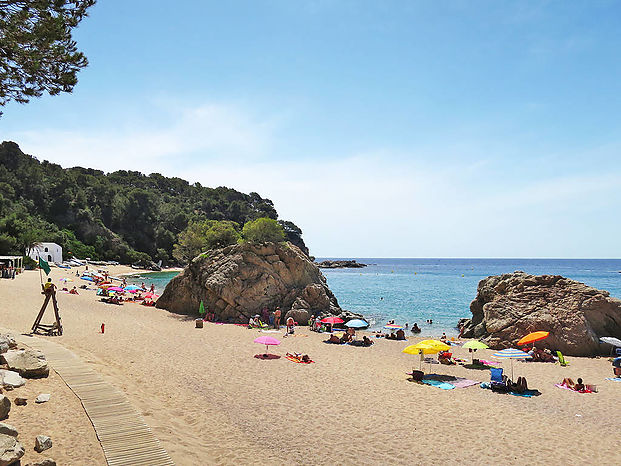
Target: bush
{"type": "Point", "coordinates": [263, 230]}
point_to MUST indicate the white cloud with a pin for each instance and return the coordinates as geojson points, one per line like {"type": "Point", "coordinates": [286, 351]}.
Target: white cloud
{"type": "Point", "coordinates": [432, 202]}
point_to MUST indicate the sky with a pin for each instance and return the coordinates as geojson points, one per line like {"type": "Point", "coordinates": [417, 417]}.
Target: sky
{"type": "Point", "coordinates": [382, 129]}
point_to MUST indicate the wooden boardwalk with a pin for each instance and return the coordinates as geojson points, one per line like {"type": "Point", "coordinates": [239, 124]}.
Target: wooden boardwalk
{"type": "Point", "coordinates": [125, 438]}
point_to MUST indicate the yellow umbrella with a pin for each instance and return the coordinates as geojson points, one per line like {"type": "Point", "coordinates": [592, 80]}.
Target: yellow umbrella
{"type": "Point", "coordinates": [426, 347]}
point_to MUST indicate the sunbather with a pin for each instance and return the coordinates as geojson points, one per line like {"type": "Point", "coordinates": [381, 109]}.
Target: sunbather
{"type": "Point", "coordinates": [578, 386]}
{"type": "Point", "coordinates": [521, 386]}
{"type": "Point", "coordinates": [333, 339]}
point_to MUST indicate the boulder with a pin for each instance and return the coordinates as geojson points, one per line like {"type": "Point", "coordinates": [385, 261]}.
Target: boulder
{"type": "Point", "coordinates": [20, 401]}
{"type": "Point", "coordinates": [43, 462]}
{"type": "Point", "coordinates": [238, 281]}
{"type": "Point", "coordinates": [10, 450]}
{"type": "Point", "coordinates": [42, 443]}
{"type": "Point", "coordinates": [8, 429]}
{"type": "Point", "coordinates": [5, 407]}
{"type": "Point", "coordinates": [11, 378]}
{"type": "Point", "coordinates": [508, 307]}
{"type": "Point", "coordinates": [29, 363]}
{"type": "Point", "coordinates": [7, 342]}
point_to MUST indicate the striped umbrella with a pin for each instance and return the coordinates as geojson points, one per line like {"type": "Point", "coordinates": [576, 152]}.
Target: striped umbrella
{"type": "Point", "coordinates": [511, 353]}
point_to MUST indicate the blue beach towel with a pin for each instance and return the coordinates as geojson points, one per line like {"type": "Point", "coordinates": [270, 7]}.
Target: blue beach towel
{"type": "Point", "coordinates": [614, 379]}
{"type": "Point", "coordinates": [439, 384]}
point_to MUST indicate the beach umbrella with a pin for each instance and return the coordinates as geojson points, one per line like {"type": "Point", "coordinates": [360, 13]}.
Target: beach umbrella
{"type": "Point", "coordinates": [611, 341]}
{"type": "Point", "coordinates": [115, 288]}
{"type": "Point", "coordinates": [511, 354]}
{"type": "Point", "coordinates": [357, 323]}
{"type": "Point", "coordinates": [426, 347]}
{"type": "Point", "coordinates": [332, 320]}
{"type": "Point", "coordinates": [87, 278]}
{"type": "Point", "coordinates": [474, 345]}
{"type": "Point", "coordinates": [393, 327]}
{"type": "Point", "coordinates": [151, 296]}
{"type": "Point", "coordinates": [267, 341]}
{"type": "Point", "coordinates": [533, 337]}
{"type": "Point", "coordinates": [66, 280]}
{"type": "Point", "coordinates": [132, 288]}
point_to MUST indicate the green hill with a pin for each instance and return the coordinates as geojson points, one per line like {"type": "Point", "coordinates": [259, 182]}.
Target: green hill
{"type": "Point", "coordinates": [124, 216]}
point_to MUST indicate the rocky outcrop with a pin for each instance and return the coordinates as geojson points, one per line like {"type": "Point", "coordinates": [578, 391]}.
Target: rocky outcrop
{"type": "Point", "coordinates": [10, 450]}
{"type": "Point", "coordinates": [341, 264]}
{"type": "Point", "coordinates": [238, 281]}
{"type": "Point", "coordinates": [509, 306]}
{"type": "Point", "coordinates": [29, 363]}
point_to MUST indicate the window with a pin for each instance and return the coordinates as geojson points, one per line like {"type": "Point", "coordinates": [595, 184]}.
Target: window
{"type": "Point", "coordinates": [49, 258]}
{"type": "Point", "coordinates": [45, 249]}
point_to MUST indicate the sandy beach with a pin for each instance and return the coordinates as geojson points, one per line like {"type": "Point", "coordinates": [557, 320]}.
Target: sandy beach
{"type": "Point", "coordinates": [210, 401]}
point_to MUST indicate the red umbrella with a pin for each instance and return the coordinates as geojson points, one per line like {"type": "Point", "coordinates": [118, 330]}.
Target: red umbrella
{"type": "Point", "coordinates": [332, 320]}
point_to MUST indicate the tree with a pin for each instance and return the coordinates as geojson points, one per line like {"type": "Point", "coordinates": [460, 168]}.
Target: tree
{"type": "Point", "coordinates": [201, 236]}
{"type": "Point", "coordinates": [263, 230]}
{"type": "Point", "coordinates": [37, 51]}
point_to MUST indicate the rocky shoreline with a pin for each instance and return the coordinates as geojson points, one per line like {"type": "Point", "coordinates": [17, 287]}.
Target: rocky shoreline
{"type": "Point", "coordinates": [508, 307]}
{"type": "Point", "coordinates": [340, 264]}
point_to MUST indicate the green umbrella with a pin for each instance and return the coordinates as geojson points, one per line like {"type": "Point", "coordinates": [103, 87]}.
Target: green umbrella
{"type": "Point", "coordinates": [474, 345]}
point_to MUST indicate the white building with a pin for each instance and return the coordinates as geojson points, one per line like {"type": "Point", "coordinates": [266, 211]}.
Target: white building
{"type": "Point", "coordinates": [50, 252]}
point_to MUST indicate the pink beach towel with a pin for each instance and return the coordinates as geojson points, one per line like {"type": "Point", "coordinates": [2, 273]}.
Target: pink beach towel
{"type": "Point", "coordinates": [463, 383]}
{"type": "Point", "coordinates": [559, 385]}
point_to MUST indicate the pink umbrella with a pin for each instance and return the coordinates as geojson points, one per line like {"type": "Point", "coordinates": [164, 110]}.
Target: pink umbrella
{"type": "Point", "coordinates": [151, 296]}
{"type": "Point", "coordinates": [115, 288]}
{"type": "Point", "coordinates": [267, 341]}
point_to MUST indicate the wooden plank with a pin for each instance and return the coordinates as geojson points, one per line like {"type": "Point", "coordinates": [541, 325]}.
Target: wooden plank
{"type": "Point", "coordinates": [124, 436]}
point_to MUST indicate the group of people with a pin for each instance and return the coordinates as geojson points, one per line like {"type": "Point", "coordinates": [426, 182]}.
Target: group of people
{"type": "Point", "coordinates": [267, 319]}
{"type": "Point", "coordinates": [7, 271]}
{"type": "Point", "coordinates": [541, 355]}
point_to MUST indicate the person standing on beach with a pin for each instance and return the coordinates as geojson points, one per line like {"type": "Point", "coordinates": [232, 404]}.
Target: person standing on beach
{"type": "Point", "coordinates": [277, 318]}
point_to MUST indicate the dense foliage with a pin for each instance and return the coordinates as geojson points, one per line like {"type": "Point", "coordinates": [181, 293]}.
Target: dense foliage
{"type": "Point", "coordinates": [37, 51]}
{"type": "Point", "coordinates": [200, 236]}
{"type": "Point", "coordinates": [124, 216]}
{"type": "Point", "coordinates": [263, 229]}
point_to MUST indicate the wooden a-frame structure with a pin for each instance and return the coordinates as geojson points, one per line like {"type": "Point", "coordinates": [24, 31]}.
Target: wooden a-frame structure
{"type": "Point", "coordinates": [47, 329]}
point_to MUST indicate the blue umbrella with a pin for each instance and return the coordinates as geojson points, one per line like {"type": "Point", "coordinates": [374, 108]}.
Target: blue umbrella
{"type": "Point", "coordinates": [511, 353]}
{"type": "Point", "coordinates": [132, 287]}
{"type": "Point", "coordinates": [357, 323]}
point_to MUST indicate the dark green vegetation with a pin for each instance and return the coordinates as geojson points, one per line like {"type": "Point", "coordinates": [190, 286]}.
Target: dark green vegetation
{"type": "Point", "coordinates": [37, 51]}
{"type": "Point", "coordinates": [124, 216]}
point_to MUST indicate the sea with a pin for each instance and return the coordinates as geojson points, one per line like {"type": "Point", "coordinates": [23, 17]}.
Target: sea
{"type": "Point", "coordinates": [416, 290]}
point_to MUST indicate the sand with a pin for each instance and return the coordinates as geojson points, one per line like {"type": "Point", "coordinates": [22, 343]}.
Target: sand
{"type": "Point", "coordinates": [210, 401]}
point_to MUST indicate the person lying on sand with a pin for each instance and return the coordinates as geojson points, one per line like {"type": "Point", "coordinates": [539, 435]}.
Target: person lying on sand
{"type": "Point", "coordinates": [346, 338]}
{"type": "Point", "coordinates": [333, 339]}
{"type": "Point", "coordinates": [520, 386]}
{"type": "Point", "coordinates": [578, 386]}
{"type": "Point", "coordinates": [74, 290]}
{"type": "Point", "coordinates": [366, 341]}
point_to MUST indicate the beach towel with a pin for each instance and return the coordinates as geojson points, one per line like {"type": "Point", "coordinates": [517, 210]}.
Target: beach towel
{"type": "Point", "coordinates": [559, 385]}
{"type": "Point", "coordinates": [463, 383]}
{"type": "Point", "coordinates": [299, 361]}
{"type": "Point", "coordinates": [270, 331]}
{"type": "Point", "coordinates": [614, 379]}
{"type": "Point", "coordinates": [526, 394]}
{"type": "Point", "coordinates": [439, 384]}
{"type": "Point", "coordinates": [489, 363]}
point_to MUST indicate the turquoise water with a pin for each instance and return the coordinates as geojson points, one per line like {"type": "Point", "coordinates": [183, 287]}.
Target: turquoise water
{"type": "Point", "coordinates": [414, 290]}
{"type": "Point", "coordinates": [159, 279]}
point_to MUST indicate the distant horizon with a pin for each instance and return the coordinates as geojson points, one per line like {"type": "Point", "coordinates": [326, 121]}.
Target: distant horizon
{"type": "Point", "coordinates": [471, 258]}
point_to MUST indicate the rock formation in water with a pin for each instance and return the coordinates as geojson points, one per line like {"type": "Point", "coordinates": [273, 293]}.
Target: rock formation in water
{"type": "Point", "coordinates": [340, 264]}
{"type": "Point", "coordinates": [508, 307]}
{"type": "Point", "coordinates": [238, 281]}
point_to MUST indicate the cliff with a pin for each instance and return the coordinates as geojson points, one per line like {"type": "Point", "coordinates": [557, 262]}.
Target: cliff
{"type": "Point", "coordinates": [509, 306]}
{"type": "Point", "coordinates": [236, 282]}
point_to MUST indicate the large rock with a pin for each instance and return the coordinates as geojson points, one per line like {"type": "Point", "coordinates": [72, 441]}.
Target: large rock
{"type": "Point", "coordinates": [509, 306]}
{"type": "Point", "coordinates": [10, 450]}
{"type": "Point", "coordinates": [7, 342]}
{"type": "Point", "coordinates": [5, 407]}
{"type": "Point", "coordinates": [29, 363]}
{"type": "Point", "coordinates": [8, 429]}
{"type": "Point", "coordinates": [11, 379]}
{"type": "Point", "coordinates": [236, 282]}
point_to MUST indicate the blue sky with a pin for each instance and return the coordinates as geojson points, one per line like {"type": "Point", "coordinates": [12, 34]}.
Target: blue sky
{"type": "Point", "coordinates": [386, 129]}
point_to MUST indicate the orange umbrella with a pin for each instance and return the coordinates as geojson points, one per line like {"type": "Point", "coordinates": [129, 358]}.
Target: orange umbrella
{"type": "Point", "coordinates": [533, 337]}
